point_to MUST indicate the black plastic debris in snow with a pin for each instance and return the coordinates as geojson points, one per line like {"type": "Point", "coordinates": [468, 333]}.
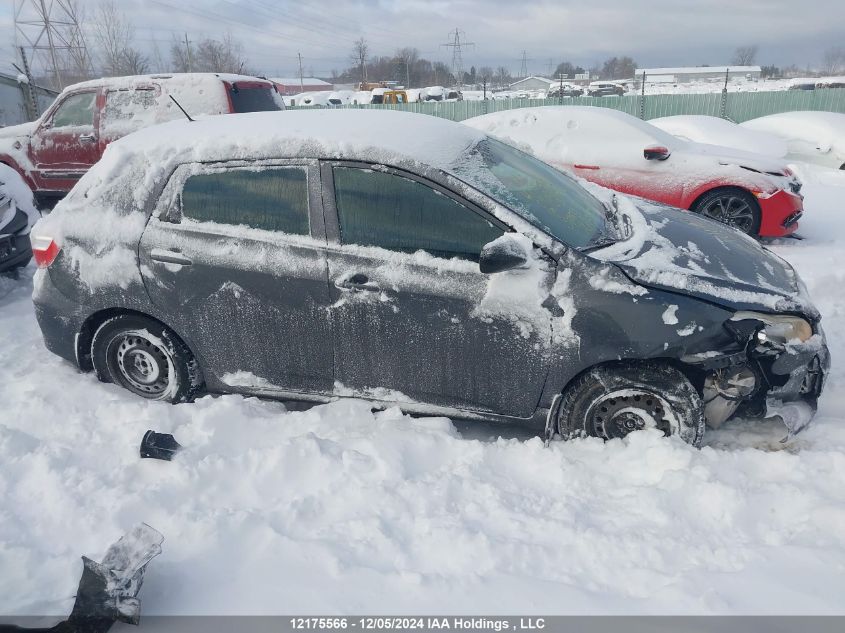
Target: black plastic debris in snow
{"type": "Point", "coordinates": [108, 590]}
{"type": "Point", "coordinates": [159, 446]}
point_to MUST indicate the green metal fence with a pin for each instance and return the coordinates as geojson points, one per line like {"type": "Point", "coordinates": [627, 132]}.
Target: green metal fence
{"type": "Point", "coordinates": [736, 106]}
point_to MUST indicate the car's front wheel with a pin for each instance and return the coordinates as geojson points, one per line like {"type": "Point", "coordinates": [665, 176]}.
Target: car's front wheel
{"type": "Point", "coordinates": [611, 401]}
{"type": "Point", "coordinates": [145, 357]}
{"type": "Point", "coordinates": [731, 206]}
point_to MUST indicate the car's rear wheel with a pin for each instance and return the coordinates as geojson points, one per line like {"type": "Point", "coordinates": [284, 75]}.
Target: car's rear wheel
{"type": "Point", "coordinates": [145, 357]}
{"type": "Point", "coordinates": [611, 401]}
{"type": "Point", "coordinates": [731, 206]}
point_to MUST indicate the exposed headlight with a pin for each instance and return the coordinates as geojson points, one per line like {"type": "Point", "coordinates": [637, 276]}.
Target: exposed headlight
{"type": "Point", "coordinates": [779, 328]}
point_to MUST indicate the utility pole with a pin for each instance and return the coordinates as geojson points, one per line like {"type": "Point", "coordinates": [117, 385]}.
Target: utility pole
{"type": "Point", "coordinates": [723, 107]}
{"type": "Point", "coordinates": [188, 53]}
{"type": "Point", "coordinates": [457, 55]}
{"type": "Point", "coordinates": [642, 98]}
{"type": "Point", "coordinates": [301, 83]}
{"type": "Point", "coordinates": [31, 105]}
{"type": "Point", "coordinates": [560, 96]}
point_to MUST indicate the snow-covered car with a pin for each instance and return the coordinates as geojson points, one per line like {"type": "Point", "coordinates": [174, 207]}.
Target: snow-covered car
{"type": "Point", "coordinates": [568, 90]}
{"type": "Point", "coordinates": [17, 214]}
{"type": "Point", "coordinates": [414, 262]}
{"type": "Point", "coordinates": [813, 137]}
{"type": "Point", "coordinates": [53, 153]}
{"type": "Point", "coordinates": [756, 194]}
{"type": "Point", "coordinates": [605, 89]}
{"type": "Point", "coordinates": [433, 93]}
{"type": "Point", "coordinates": [712, 130]}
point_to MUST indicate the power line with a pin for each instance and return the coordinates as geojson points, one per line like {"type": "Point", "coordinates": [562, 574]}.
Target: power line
{"type": "Point", "coordinates": [523, 69]}
{"type": "Point", "coordinates": [51, 35]}
{"type": "Point", "coordinates": [457, 55]}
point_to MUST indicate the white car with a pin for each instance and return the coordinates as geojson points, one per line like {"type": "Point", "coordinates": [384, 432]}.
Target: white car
{"type": "Point", "coordinates": [814, 137]}
{"type": "Point", "coordinates": [751, 192]}
{"type": "Point", "coordinates": [716, 131]}
{"type": "Point", "coordinates": [433, 93]}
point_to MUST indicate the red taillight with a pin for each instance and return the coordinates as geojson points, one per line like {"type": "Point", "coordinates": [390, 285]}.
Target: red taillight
{"type": "Point", "coordinates": [44, 250]}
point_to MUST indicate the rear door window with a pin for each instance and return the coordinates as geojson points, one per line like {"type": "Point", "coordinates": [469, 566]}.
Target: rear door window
{"type": "Point", "coordinates": [271, 198]}
{"type": "Point", "coordinates": [128, 110]}
{"type": "Point", "coordinates": [390, 211]}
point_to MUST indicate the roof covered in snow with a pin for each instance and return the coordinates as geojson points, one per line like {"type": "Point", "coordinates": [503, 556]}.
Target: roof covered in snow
{"type": "Point", "coordinates": [295, 81]}
{"type": "Point", "coordinates": [352, 134]}
{"type": "Point", "coordinates": [130, 81]}
{"type": "Point", "coordinates": [534, 77]}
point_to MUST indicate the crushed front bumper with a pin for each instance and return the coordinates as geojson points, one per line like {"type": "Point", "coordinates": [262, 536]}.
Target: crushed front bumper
{"type": "Point", "coordinates": [766, 379]}
{"type": "Point", "coordinates": [799, 373]}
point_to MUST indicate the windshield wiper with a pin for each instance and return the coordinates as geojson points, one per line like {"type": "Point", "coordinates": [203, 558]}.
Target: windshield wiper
{"type": "Point", "coordinates": [600, 242]}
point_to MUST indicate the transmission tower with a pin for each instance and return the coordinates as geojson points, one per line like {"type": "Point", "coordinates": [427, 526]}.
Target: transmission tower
{"type": "Point", "coordinates": [523, 69]}
{"type": "Point", "coordinates": [49, 33]}
{"type": "Point", "coordinates": [457, 55]}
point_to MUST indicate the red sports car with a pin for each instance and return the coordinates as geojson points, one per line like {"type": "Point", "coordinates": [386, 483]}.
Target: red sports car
{"type": "Point", "coordinates": [753, 193]}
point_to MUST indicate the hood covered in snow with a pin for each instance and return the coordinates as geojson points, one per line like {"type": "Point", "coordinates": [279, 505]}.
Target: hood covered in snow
{"type": "Point", "coordinates": [679, 251]}
{"type": "Point", "coordinates": [733, 156]}
{"type": "Point", "coordinates": [15, 131]}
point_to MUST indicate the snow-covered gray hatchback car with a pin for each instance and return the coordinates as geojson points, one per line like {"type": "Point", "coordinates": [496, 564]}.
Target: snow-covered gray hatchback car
{"type": "Point", "coordinates": [414, 261]}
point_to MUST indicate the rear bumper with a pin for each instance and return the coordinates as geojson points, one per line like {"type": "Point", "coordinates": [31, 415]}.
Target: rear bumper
{"type": "Point", "coordinates": [779, 214]}
{"type": "Point", "coordinates": [59, 318]}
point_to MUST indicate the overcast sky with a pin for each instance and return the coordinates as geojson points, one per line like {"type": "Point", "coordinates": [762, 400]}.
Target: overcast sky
{"type": "Point", "coordinates": [653, 32]}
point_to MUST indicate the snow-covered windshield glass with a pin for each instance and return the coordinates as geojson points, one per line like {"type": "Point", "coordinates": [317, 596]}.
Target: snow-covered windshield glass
{"type": "Point", "coordinates": [541, 194]}
{"type": "Point", "coordinates": [253, 99]}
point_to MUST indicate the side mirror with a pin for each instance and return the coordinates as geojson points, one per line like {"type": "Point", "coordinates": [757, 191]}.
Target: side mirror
{"type": "Point", "coordinates": [656, 152]}
{"type": "Point", "coordinates": [504, 253]}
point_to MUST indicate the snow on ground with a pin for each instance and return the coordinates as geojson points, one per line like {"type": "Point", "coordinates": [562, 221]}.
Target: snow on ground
{"type": "Point", "coordinates": [336, 509]}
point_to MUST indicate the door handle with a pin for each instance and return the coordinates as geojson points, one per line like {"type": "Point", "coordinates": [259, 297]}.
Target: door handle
{"type": "Point", "coordinates": [87, 138]}
{"type": "Point", "coordinates": [169, 257]}
{"type": "Point", "coordinates": [357, 282]}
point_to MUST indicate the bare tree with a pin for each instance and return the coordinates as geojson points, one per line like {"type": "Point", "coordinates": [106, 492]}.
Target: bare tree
{"type": "Point", "coordinates": [114, 34]}
{"type": "Point", "coordinates": [833, 61]}
{"type": "Point", "coordinates": [80, 66]}
{"type": "Point", "coordinates": [618, 68]}
{"type": "Point", "coordinates": [503, 76]}
{"type": "Point", "coordinates": [181, 56]}
{"type": "Point", "coordinates": [745, 55]}
{"type": "Point", "coordinates": [359, 56]}
{"type": "Point", "coordinates": [220, 56]}
{"type": "Point", "coordinates": [408, 58]}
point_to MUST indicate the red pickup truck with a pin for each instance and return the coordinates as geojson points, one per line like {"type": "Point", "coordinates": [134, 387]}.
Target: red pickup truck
{"type": "Point", "coordinates": [52, 153]}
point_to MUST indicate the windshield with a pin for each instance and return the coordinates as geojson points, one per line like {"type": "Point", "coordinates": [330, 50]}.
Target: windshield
{"type": "Point", "coordinates": [541, 194]}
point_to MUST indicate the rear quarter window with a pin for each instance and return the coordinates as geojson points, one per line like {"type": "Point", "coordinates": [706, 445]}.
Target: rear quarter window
{"type": "Point", "coordinates": [262, 98]}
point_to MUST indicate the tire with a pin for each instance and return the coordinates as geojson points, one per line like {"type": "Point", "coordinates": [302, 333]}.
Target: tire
{"type": "Point", "coordinates": [146, 358]}
{"type": "Point", "coordinates": [732, 206]}
{"type": "Point", "coordinates": [610, 401]}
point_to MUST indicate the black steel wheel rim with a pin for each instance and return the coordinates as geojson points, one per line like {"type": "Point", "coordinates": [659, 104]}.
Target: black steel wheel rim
{"type": "Point", "coordinates": [734, 211]}
{"type": "Point", "coordinates": [141, 364]}
{"type": "Point", "coordinates": [617, 414]}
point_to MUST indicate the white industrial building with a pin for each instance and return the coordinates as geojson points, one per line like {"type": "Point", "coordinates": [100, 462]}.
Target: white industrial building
{"type": "Point", "coordinates": [532, 83]}
{"type": "Point", "coordinates": [697, 73]}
